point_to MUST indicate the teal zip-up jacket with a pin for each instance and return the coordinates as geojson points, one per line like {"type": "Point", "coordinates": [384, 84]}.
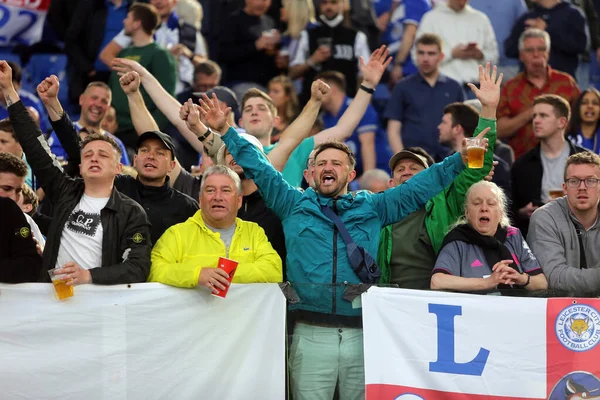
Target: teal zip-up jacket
{"type": "Point", "coordinates": [317, 263]}
{"type": "Point", "coordinates": [446, 207]}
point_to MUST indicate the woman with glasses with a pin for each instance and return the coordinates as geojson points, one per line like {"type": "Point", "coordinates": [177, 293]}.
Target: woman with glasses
{"type": "Point", "coordinates": [585, 123]}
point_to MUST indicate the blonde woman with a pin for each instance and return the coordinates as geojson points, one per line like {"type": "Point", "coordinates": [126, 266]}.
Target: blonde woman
{"type": "Point", "coordinates": [483, 252]}
{"type": "Point", "coordinates": [285, 98]}
{"type": "Point", "coordinates": [299, 15]}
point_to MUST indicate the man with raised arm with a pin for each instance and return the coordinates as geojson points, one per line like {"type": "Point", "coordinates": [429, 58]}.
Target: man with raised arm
{"type": "Point", "coordinates": [97, 235]}
{"type": "Point", "coordinates": [295, 137]}
{"type": "Point", "coordinates": [154, 159]}
{"type": "Point", "coordinates": [408, 249]}
{"type": "Point", "coordinates": [317, 260]}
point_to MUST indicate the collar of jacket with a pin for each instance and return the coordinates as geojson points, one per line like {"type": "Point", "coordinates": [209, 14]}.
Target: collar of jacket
{"type": "Point", "coordinates": [114, 201]}
{"type": "Point", "coordinates": [537, 154]}
{"type": "Point", "coordinates": [154, 189]}
{"type": "Point", "coordinates": [343, 202]}
{"type": "Point", "coordinates": [198, 220]}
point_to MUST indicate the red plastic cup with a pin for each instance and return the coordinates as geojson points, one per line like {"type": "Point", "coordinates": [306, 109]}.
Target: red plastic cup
{"type": "Point", "coordinates": [228, 266]}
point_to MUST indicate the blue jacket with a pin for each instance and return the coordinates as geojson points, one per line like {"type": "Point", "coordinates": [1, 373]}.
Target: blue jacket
{"type": "Point", "coordinates": [317, 264]}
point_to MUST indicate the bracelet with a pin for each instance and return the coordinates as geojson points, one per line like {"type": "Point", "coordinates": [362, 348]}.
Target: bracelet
{"type": "Point", "coordinates": [528, 280]}
{"type": "Point", "coordinates": [366, 89]}
{"type": "Point", "coordinates": [203, 137]}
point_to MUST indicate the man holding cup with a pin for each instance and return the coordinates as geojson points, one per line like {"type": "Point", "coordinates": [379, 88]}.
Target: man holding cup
{"type": "Point", "coordinates": [97, 235]}
{"type": "Point", "coordinates": [186, 254]}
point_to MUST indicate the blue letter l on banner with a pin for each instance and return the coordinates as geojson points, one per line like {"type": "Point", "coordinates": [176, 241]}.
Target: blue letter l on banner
{"type": "Point", "coordinates": [445, 328]}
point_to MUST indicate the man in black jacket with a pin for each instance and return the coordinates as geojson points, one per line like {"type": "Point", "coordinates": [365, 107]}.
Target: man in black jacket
{"type": "Point", "coordinates": [19, 260]}
{"type": "Point", "coordinates": [97, 235]}
{"type": "Point", "coordinates": [537, 176]}
{"type": "Point", "coordinates": [154, 159]}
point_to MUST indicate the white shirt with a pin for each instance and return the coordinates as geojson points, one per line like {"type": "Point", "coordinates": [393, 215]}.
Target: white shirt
{"type": "Point", "coordinates": [167, 38]}
{"type": "Point", "coordinates": [456, 28]}
{"type": "Point", "coordinates": [81, 239]}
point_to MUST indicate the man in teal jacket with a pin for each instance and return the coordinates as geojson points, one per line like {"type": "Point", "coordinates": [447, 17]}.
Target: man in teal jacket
{"type": "Point", "coordinates": [327, 347]}
{"type": "Point", "coordinates": [407, 249]}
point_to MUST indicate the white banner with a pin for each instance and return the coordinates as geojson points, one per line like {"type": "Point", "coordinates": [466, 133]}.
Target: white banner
{"type": "Point", "coordinates": [433, 345]}
{"type": "Point", "coordinates": [143, 341]}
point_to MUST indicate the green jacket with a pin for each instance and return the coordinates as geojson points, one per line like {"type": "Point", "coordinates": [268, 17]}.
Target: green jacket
{"type": "Point", "coordinates": [445, 208]}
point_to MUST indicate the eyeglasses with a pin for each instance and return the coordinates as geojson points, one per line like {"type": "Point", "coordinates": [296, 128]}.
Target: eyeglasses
{"type": "Point", "coordinates": [575, 182]}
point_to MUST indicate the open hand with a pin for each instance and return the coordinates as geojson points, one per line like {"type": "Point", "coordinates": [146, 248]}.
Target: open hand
{"type": "Point", "coordinates": [123, 65]}
{"type": "Point", "coordinates": [373, 70]}
{"type": "Point", "coordinates": [489, 86]}
{"type": "Point", "coordinates": [213, 114]}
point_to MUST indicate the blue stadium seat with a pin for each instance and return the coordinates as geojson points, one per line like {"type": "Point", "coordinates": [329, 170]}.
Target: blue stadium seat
{"type": "Point", "coordinates": [41, 66]}
{"type": "Point", "coordinates": [7, 55]}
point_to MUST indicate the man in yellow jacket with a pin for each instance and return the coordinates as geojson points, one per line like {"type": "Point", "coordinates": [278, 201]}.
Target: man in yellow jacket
{"type": "Point", "coordinates": [186, 254]}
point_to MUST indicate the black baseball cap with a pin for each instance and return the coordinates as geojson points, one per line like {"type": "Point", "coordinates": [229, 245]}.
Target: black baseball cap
{"type": "Point", "coordinates": [163, 137]}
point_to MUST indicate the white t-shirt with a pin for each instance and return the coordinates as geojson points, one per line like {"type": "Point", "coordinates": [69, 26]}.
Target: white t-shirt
{"type": "Point", "coordinates": [81, 239]}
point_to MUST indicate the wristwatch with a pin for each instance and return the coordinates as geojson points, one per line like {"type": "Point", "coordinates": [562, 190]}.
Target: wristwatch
{"type": "Point", "coordinates": [203, 137]}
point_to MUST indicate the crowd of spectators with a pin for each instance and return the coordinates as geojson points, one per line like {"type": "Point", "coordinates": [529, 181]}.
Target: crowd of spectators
{"type": "Point", "coordinates": [316, 142]}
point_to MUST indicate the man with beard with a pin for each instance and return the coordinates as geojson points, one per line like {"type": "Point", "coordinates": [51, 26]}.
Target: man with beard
{"type": "Point", "coordinates": [337, 360]}
{"type": "Point", "coordinates": [154, 159]}
{"type": "Point", "coordinates": [564, 233]}
{"type": "Point", "coordinates": [418, 101]}
{"type": "Point", "coordinates": [329, 46]}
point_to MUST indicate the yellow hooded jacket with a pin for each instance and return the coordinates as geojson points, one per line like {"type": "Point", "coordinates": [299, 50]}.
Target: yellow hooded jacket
{"type": "Point", "coordinates": [187, 247]}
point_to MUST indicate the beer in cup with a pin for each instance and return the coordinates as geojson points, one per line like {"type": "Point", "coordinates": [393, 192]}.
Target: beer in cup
{"type": "Point", "coordinates": [228, 266]}
{"type": "Point", "coordinates": [475, 152]}
{"type": "Point", "coordinates": [555, 193]}
{"type": "Point", "coordinates": [63, 291]}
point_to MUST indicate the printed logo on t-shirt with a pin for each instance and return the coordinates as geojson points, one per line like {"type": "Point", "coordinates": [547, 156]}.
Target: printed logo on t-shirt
{"type": "Point", "coordinates": [84, 223]}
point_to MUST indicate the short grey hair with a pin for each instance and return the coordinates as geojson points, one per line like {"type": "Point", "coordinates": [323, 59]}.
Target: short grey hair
{"type": "Point", "coordinates": [534, 33]}
{"type": "Point", "coordinates": [500, 197]}
{"type": "Point", "coordinates": [373, 175]}
{"type": "Point", "coordinates": [221, 170]}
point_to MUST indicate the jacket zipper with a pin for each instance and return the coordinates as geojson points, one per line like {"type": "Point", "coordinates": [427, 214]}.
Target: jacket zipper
{"type": "Point", "coordinates": [334, 272]}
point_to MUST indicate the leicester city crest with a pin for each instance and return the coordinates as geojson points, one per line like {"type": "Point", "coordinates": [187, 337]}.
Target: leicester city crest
{"type": "Point", "coordinates": [577, 327]}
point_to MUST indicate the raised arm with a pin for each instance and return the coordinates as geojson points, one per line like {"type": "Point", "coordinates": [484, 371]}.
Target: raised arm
{"type": "Point", "coordinates": [43, 164]}
{"type": "Point", "coordinates": [166, 103]}
{"type": "Point", "coordinates": [371, 73]}
{"type": "Point", "coordinates": [61, 123]}
{"type": "Point", "coordinates": [300, 128]}
{"type": "Point", "coordinates": [140, 116]}
{"type": "Point", "coordinates": [277, 193]}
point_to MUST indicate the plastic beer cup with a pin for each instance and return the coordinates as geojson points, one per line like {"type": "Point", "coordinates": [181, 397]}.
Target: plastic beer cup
{"type": "Point", "coordinates": [228, 266]}
{"type": "Point", "coordinates": [63, 291]}
{"type": "Point", "coordinates": [475, 152]}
